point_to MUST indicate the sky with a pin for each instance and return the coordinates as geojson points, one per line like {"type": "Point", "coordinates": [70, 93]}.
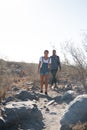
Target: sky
{"type": "Point", "coordinates": [28, 27]}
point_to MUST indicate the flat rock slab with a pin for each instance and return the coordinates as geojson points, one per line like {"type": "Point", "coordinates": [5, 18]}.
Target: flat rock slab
{"type": "Point", "coordinates": [13, 112]}
{"type": "Point", "coordinates": [25, 95]}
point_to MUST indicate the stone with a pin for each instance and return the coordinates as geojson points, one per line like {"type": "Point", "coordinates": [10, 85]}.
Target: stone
{"type": "Point", "coordinates": [53, 113]}
{"type": "Point", "coordinates": [65, 127]}
{"type": "Point", "coordinates": [50, 103]}
{"type": "Point", "coordinates": [25, 95]}
{"type": "Point", "coordinates": [47, 110]}
{"type": "Point", "coordinates": [9, 99]}
{"type": "Point", "coordinates": [29, 83]}
{"type": "Point", "coordinates": [14, 112]}
{"type": "Point", "coordinates": [14, 88]}
{"type": "Point", "coordinates": [2, 122]}
{"type": "Point", "coordinates": [58, 99]}
{"type": "Point", "coordinates": [76, 111]}
{"type": "Point", "coordinates": [69, 95]}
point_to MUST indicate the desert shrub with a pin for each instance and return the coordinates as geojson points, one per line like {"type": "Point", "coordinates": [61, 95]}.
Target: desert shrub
{"type": "Point", "coordinates": [76, 59]}
{"type": "Point", "coordinates": [80, 126]}
{"type": "Point", "coordinates": [16, 73]}
{"type": "Point", "coordinates": [4, 79]}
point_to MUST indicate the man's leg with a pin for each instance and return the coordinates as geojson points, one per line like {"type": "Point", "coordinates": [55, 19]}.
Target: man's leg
{"type": "Point", "coordinates": [52, 77]}
{"type": "Point", "coordinates": [56, 85]}
{"type": "Point", "coordinates": [55, 72]}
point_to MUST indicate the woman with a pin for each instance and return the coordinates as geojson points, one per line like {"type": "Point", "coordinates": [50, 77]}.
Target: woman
{"type": "Point", "coordinates": [43, 69]}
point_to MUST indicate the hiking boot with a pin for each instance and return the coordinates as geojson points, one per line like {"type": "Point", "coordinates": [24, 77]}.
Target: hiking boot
{"type": "Point", "coordinates": [41, 91]}
{"type": "Point", "coordinates": [56, 85]}
{"type": "Point", "coordinates": [46, 93]}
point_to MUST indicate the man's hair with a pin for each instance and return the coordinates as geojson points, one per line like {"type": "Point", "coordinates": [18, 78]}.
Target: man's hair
{"type": "Point", "coordinates": [54, 50]}
{"type": "Point", "coordinates": [46, 51]}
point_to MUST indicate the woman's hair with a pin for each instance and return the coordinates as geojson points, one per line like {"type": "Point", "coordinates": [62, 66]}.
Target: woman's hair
{"type": "Point", "coordinates": [46, 51]}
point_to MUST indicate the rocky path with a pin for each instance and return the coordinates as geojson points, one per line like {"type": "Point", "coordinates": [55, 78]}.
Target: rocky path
{"type": "Point", "coordinates": [49, 107]}
{"type": "Point", "coordinates": [52, 119]}
{"type": "Point", "coordinates": [51, 110]}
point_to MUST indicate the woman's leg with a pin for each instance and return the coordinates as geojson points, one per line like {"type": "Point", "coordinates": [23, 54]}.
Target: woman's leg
{"type": "Point", "coordinates": [46, 83]}
{"type": "Point", "coordinates": [41, 82]}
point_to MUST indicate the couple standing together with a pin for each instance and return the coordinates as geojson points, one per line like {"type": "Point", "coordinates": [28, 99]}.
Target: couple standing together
{"type": "Point", "coordinates": [48, 64]}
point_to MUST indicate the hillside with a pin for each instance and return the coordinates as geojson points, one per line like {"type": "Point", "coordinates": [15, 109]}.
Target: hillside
{"type": "Point", "coordinates": [20, 96]}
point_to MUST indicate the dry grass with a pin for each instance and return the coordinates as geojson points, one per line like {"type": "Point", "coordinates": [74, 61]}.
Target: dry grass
{"type": "Point", "coordinates": [16, 74]}
{"type": "Point", "coordinates": [80, 126]}
{"type": "Point", "coordinates": [74, 74]}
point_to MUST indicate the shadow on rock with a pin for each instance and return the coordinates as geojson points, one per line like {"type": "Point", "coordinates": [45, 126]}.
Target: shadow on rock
{"type": "Point", "coordinates": [44, 96]}
{"type": "Point", "coordinates": [65, 127]}
{"type": "Point", "coordinates": [25, 115]}
{"type": "Point", "coordinates": [26, 95]}
{"type": "Point", "coordinates": [75, 112]}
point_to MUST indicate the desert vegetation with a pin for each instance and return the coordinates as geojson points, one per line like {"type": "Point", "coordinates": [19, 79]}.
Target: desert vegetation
{"type": "Point", "coordinates": [75, 64]}
{"type": "Point", "coordinates": [76, 59]}
{"type": "Point", "coordinates": [14, 73]}
{"type": "Point", "coordinates": [25, 76]}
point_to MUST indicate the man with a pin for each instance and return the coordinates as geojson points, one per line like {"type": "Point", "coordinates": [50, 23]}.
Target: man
{"type": "Point", "coordinates": [55, 64]}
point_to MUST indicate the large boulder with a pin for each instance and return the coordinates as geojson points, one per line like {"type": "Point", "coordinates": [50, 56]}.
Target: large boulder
{"type": "Point", "coordinates": [8, 99]}
{"type": "Point", "coordinates": [2, 122]}
{"type": "Point", "coordinates": [69, 96]}
{"type": "Point", "coordinates": [15, 88]}
{"type": "Point", "coordinates": [25, 95]}
{"type": "Point", "coordinates": [14, 112]}
{"type": "Point", "coordinates": [76, 111]}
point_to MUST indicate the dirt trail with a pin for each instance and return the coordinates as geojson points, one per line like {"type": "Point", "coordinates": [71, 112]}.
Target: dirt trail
{"type": "Point", "coordinates": [51, 110]}
{"type": "Point", "coordinates": [53, 120]}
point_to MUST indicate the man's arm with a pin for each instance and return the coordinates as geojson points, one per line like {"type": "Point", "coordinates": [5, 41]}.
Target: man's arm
{"type": "Point", "coordinates": [59, 64]}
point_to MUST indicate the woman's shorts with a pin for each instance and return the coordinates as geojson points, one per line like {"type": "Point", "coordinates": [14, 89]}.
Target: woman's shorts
{"type": "Point", "coordinates": [44, 70]}
{"type": "Point", "coordinates": [44, 73]}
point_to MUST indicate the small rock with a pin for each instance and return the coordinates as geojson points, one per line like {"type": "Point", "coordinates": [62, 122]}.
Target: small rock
{"type": "Point", "coordinates": [14, 88]}
{"type": "Point", "coordinates": [9, 99]}
{"type": "Point", "coordinates": [53, 113]}
{"type": "Point", "coordinates": [47, 110]}
{"type": "Point", "coordinates": [69, 95]}
{"type": "Point", "coordinates": [65, 127]}
{"type": "Point", "coordinates": [2, 122]}
{"type": "Point", "coordinates": [25, 95]}
{"type": "Point", "coordinates": [58, 99]}
{"type": "Point", "coordinates": [45, 100]}
{"type": "Point", "coordinates": [34, 101]}
{"type": "Point", "coordinates": [50, 103]}
{"type": "Point", "coordinates": [55, 104]}
{"type": "Point", "coordinates": [31, 129]}
{"type": "Point", "coordinates": [29, 83]}
{"type": "Point", "coordinates": [45, 107]}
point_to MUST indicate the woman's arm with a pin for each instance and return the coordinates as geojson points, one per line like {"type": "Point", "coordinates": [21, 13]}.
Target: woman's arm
{"type": "Point", "coordinates": [39, 66]}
